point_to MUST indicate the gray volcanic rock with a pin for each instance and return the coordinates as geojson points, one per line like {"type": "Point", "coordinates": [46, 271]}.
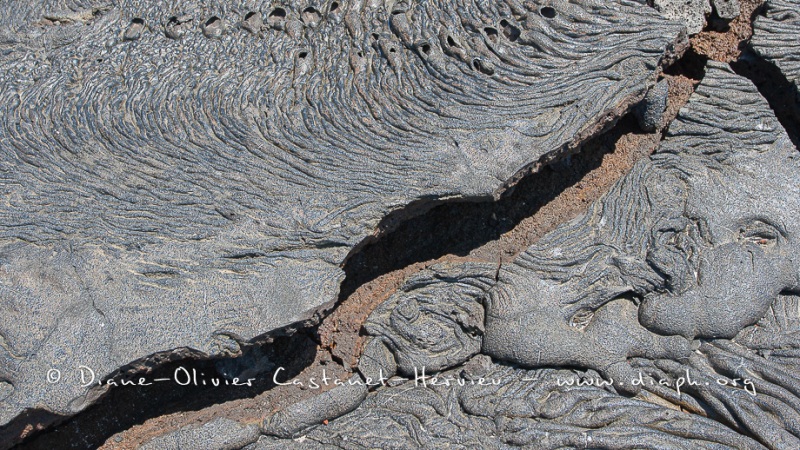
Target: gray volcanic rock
{"type": "Point", "coordinates": [650, 111]}
{"type": "Point", "coordinates": [698, 241]}
{"type": "Point", "coordinates": [692, 13]}
{"type": "Point", "coordinates": [435, 321]}
{"type": "Point", "coordinates": [727, 9]}
{"type": "Point", "coordinates": [219, 434]}
{"type": "Point", "coordinates": [191, 175]}
{"type": "Point", "coordinates": [336, 402]}
{"type": "Point", "coordinates": [776, 37]}
{"type": "Point", "coordinates": [494, 406]}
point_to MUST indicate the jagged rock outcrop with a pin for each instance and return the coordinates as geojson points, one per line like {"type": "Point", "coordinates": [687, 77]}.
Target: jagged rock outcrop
{"type": "Point", "coordinates": [192, 175]}
{"type": "Point", "coordinates": [677, 291]}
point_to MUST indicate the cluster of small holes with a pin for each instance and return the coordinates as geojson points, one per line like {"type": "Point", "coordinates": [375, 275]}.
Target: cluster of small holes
{"type": "Point", "coordinates": [252, 21]}
{"type": "Point", "coordinates": [176, 27]}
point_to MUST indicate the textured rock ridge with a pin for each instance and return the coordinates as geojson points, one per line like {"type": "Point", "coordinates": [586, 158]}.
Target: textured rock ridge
{"type": "Point", "coordinates": [489, 405]}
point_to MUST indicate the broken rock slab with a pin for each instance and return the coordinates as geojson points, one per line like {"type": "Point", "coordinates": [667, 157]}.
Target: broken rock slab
{"type": "Point", "coordinates": [686, 270]}
{"type": "Point", "coordinates": [776, 37]}
{"type": "Point", "coordinates": [173, 180]}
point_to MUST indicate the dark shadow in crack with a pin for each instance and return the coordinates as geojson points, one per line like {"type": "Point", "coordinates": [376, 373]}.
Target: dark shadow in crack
{"type": "Point", "coordinates": [457, 228]}
{"type": "Point", "coordinates": [126, 406]}
{"type": "Point", "coordinates": [691, 65]}
{"type": "Point", "coordinates": [773, 85]}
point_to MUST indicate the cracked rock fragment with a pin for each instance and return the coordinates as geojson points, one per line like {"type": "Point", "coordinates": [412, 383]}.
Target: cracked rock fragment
{"type": "Point", "coordinates": [698, 241]}
{"type": "Point", "coordinates": [776, 37]}
{"type": "Point", "coordinates": [692, 13]}
{"type": "Point", "coordinates": [187, 184]}
{"type": "Point", "coordinates": [727, 9]}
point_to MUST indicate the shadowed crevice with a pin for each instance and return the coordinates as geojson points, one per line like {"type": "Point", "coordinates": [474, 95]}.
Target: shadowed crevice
{"type": "Point", "coordinates": [457, 228]}
{"type": "Point", "coordinates": [126, 406]}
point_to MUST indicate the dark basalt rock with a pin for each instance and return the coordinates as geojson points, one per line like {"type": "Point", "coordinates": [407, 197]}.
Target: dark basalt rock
{"type": "Point", "coordinates": [680, 286]}
{"type": "Point", "coordinates": [651, 266]}
{"type": "Point", "coordinates": [776, 37]}
{"type": "Point", "coordinates": [189, 176]}
{"type": "Point", "coordinates": [289, 422]}
{"type": "Point", "coordinates": [650, 111]}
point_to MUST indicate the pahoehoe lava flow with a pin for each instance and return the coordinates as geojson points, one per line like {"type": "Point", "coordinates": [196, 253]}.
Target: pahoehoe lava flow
{"type": "Point", "coordinates": [171, 171]}
{"type": "Point", "coordinates": [371, 188]}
